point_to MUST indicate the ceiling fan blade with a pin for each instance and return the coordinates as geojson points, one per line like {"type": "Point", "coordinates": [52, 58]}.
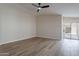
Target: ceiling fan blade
{"type": "Point", "coordinates": [34, 5]}
{"type": "Point", "coordinates": [45, 6]}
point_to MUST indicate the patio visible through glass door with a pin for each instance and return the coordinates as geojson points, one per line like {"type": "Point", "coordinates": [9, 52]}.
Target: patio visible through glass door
{"type": "Point", "coordinates": [70, 31]}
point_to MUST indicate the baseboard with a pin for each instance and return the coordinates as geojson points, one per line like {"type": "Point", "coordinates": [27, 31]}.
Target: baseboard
{"type": "Point", "coordinates": [47, 38]}
{"type": "Point", "coordinates": [17, 40]}
{"type": "Point", "coordinates": [26, 39]}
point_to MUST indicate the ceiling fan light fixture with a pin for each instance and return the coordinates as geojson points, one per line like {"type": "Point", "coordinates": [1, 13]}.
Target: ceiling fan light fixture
{"type": "Point", "coordinates": [39, 8]}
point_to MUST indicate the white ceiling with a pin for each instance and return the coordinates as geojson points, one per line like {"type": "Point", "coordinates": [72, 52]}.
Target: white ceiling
{"type": "Point", "coordinates": [65, 9]}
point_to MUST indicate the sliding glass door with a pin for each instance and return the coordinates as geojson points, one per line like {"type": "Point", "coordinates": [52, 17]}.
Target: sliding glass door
{"type": "Point", "coordinates": [74, 31]}
{"type": "Point", "coordinates": [71, 31]}
{"type": "Point", "coordinates": [67, 31]}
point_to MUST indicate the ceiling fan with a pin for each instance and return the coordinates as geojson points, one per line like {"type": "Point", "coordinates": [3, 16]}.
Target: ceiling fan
{"type": "Point", "coordinates": [39, 6]}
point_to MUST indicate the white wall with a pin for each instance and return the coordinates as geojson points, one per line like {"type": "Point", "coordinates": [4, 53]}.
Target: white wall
{"type": "Point", "coordinates": [49, 26]}
{"type": "Point", "coordinates": [70, 19]}
{"type": "Point", "coordinates": [15, 24]}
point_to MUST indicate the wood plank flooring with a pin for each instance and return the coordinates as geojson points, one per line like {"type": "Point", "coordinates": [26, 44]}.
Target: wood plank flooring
{"type": "Point", "coordinates": [41, 47]}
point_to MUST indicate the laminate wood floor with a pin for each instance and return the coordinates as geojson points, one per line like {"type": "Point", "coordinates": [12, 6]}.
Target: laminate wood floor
{"type": "Point", "coordinates": [41, 47]}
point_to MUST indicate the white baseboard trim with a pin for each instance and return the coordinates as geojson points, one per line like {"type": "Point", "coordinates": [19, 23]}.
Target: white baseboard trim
{"type": "Point", "coordinates": [25, 39]}
{"type": "Point", "coordinates": [1, 43]}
